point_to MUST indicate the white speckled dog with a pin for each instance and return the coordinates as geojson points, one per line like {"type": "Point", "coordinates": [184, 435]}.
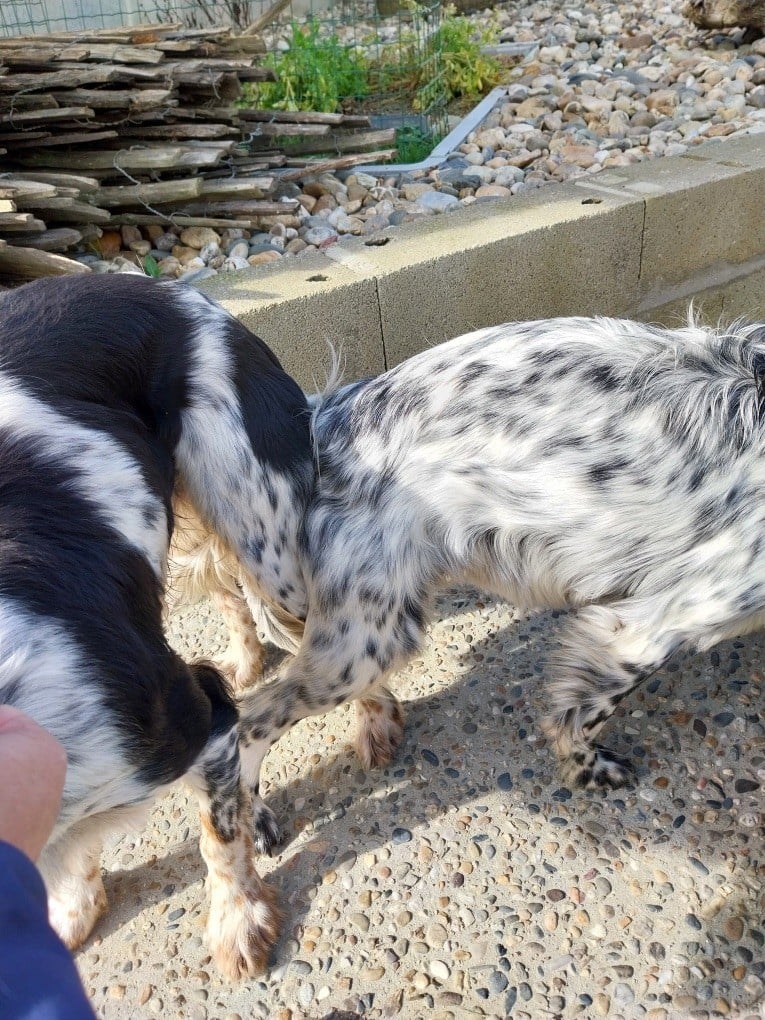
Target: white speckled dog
{"type": "Point", "coordinates": [606, 466]}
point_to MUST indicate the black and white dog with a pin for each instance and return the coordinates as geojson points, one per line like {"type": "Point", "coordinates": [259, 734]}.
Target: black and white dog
{"type": "Point", "coordinates": [606, 466]}
{"type": "Point", "coordinates": [114, 392]}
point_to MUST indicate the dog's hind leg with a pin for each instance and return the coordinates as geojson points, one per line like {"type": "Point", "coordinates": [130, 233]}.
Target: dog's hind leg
{"type": "Point", "coordinates": [243, 922]}
{"type": "Point", "coordinates": [243, 660]}
{"type": "Point", "coordinates": [605, 652]}
{"type": "Point", "coordinates": [202, 566]}
{"type": "Point", "coordinates": [244, 456]}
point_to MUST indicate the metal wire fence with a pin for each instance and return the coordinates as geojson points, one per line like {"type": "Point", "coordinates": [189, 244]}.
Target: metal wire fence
{"type": "Point", "coordinates": [400, 50]}
{"type": "Point", "coordinates": [34, 17]}
{"type": "Point", "coordinates": [399, 40]}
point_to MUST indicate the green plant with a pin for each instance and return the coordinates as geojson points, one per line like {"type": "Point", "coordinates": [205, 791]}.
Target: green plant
{"type": "Point", "coordinates": [449, 65]}
{"type": "Point", "coordinates": [467, 73]}
{"type": "Point", "coordinates": [150, 266]}
{"type": "Point", "coordinates": [414, 144]}
{"type": "Point", "coordinates": [315, 73]}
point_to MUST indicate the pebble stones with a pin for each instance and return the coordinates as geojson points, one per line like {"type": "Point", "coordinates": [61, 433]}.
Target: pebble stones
{"type": "Point", "coordinates": [600, 86]}
{"type": "Point", "coordinates": [464, 880]}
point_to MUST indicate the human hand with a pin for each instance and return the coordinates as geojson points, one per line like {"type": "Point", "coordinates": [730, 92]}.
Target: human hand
{"type": "Point", "coordinates": [32, 771]}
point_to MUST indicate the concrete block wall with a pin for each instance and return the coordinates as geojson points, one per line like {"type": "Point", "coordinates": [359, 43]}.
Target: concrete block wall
{"type": "Point", "coordinates": [640, 242]}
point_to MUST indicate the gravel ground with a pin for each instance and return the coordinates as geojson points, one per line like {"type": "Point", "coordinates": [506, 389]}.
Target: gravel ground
{"type": "Point", "coordinates": [603, 85]}
{"type": "Point", "coordinates": [465, 880]}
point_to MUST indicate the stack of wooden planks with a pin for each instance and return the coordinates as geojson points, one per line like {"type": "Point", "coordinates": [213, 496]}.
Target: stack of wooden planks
{"type": "Point", "coordinates": [144, 125]}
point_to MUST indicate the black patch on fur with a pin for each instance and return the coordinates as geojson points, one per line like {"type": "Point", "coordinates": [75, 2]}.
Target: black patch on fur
{"type": "Point", "coordinates": [601, 474]}
{"type": "Point", "coordinates": [60, 561]}
{"type": "Point", "coordinates": [697, 479]}
{"type": "Point", "coordinates": [602, 377]}
{"type": "Point", "coordinates": [503, 393]}
{"type": "Point", "coordinates": [758, 367]}
{"type": "Point", "coordinates": [570, 442]}
{"type": "Point", "coordinates": [751, 600]}
{"type": "Point", "coordinates": [735, 497]}
{"type": "Point", "coordinates": [543, 358]}
{"type": "Point", "coordinates": [706, 522]}
{"type": "Point", "coordinates": [371, 649]}
{"type": "Point", "coordinates": [471, 374]}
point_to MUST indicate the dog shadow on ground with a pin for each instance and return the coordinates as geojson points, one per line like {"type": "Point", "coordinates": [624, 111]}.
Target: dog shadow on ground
{"type": "Point", "coordinates": [473, 768]}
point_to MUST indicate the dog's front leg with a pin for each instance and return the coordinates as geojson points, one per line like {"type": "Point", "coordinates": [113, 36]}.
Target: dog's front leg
{"type": "Point", "coordinates": [380, 730]}
{"type": "Point", "coordinates": [335, 663]}
{"type": "Point", "coordinates": [243, 923]}
{"type": "Point", "coordinates": [71, 869]}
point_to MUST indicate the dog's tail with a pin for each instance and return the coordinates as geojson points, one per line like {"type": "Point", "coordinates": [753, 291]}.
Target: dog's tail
{"type": "Point", "coordinates": [277, 626]}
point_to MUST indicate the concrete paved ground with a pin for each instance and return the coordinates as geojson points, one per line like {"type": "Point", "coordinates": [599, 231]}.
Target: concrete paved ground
{"type": "Point", "coordinates": [466, 880]}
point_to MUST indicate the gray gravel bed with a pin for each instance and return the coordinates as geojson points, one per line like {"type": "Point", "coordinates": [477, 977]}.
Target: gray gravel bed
{"type": "Point", "coordinates": [604, 85]}
{"type": "Point", "coordinates": [466, 880]}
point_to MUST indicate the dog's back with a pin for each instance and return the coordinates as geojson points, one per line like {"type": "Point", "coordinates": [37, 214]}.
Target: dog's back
{"type": "Point", "coordinates": [94, 387]}
{"type": "Point", "coordinates": [581, 455]}
{"type": "Point", "coordinates": [133, 354]}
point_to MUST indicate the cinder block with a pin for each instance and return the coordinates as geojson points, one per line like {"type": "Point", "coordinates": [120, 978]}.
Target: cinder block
{"type": "Point", "coordinates": [715, 214]}
{"type": "Point", "coordinates": [745, 298]}
{"type": "Point", "coordinates": [527, 257]}
{"type": "Point", "coordinates": [306, 308]}
{"type": "Point", "coordinates": [707, 305]}
{"type": "Point", "coordinates": [744, 151]}
{"type": "Point", "coordinates": [710, 288]}
{"type": "Point", "coordinates": [701, 209]}
{"type": "Point", "coordinates": [639, 241]}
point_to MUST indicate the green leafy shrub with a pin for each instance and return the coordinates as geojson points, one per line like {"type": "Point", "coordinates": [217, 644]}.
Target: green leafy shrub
{"type": "Point", "coordinates": [464, 73]}
{"type": "Point", "coordinates": [468, 73]}
{"type": "Point", "coordinates": [315, 73]}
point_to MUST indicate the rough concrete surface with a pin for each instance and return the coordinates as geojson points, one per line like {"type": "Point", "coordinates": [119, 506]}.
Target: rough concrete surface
{"type": "Point", "coordinates": [466, 880]}
{"type": "Point", "coordinates": [641, 241]}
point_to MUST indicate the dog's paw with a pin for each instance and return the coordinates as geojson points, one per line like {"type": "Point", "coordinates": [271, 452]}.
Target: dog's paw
{"type": "Point", "coordinates": [265, 828]}
{"type": "Point", "coordinates": [380, 730]}
{"type": "Point", "coordinates": [242, 929]}
{"type": "Point", "coordinates": [74, 916]}
{"type": "Point", "coordinates": [600, 769]}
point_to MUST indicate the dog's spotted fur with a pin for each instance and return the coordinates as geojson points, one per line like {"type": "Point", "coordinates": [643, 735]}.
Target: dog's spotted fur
{"type": "Point", "coordinates": [114, 392]}
{"type": "Point", "coordinates": [600, 465]}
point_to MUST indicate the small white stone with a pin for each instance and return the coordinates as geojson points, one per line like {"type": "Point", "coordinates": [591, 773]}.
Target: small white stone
{"type": "Point", "coordinates": [439, 970]}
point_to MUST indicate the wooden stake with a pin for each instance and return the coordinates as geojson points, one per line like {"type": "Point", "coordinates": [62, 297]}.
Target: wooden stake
{"type": "Point", "coordinates": [29, 263]}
